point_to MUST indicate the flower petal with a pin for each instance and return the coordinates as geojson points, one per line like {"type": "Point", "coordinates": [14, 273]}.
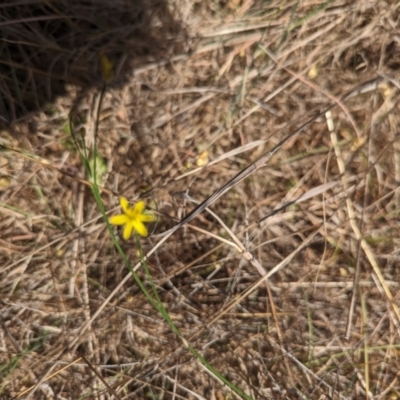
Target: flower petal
{"type": "Point", "coordinates": [121, 219]}
{"type": "Point", "coordinates": [147, 218]}
{"type": "Point", "coordinates": [124, 205]}
{"type": "Point", "coordinates": [126, 234]}
{"type": "Point", "coordinates": [140, 227]}
{"type": "Point", "coordinates": [138, 208]}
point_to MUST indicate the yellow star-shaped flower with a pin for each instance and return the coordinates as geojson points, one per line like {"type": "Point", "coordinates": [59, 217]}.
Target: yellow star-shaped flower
{"type": "Point", "coordinates": [132, 219]}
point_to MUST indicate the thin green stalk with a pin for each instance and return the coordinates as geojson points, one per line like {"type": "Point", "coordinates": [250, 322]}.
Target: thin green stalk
{"type": "Point", "coordinates": [154, 301]}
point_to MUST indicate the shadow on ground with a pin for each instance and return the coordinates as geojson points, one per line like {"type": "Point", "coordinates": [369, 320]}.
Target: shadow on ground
{"type": "Point", "coordinates": [45, 45]}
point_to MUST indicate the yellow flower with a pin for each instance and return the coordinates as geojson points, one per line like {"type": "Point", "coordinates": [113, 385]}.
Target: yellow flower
{"type": "Point", "coordinates": [132, 219]}
{"type": "Point", "coordinates": [107, 67]}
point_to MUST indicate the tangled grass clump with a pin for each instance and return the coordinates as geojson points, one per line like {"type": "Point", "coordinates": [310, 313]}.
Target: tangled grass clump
{"type": "Point", "coordinates": [268, 144]}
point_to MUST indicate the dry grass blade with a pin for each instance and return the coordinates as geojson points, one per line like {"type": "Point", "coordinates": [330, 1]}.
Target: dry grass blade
{"type": "Point", "coordinates": [359, 236]}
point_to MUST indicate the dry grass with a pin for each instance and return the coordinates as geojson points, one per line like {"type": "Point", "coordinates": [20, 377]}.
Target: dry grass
{"type": "Point", "coordinates": [287, 296]}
